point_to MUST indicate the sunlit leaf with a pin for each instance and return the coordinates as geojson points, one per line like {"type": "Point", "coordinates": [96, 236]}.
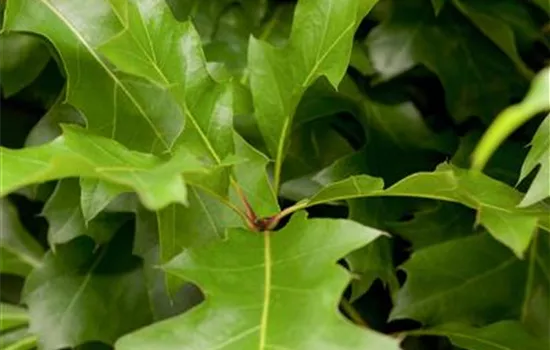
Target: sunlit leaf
{"type": "Point", "coordinates": [315, 48]}
{"type": "Point", "coordinates": [495, 202]}
{"type": "Point", "coordinates": [258, 300]}
{"type": "Point", "coordinates": [109, 99]}
{"type": "Point", "coordinates": [79, 153]}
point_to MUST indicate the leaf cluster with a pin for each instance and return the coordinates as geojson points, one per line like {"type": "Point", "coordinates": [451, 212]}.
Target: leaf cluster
{"type": "Point", "coordinates": [255, 174]}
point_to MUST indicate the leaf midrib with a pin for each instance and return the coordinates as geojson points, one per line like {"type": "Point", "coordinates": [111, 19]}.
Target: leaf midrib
{"type": "Point", "coordinates": [107, 70]}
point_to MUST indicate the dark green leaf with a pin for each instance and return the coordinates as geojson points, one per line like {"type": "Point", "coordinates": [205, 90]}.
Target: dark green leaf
{"type": "Point", "coordinates": [19, 252]}
{"type": "Point", "coordinates": [437, 223]}
{"type": "Point", "coordinates": [170, 54]}
{"type": "Point", "coordinates": [539, 154]}
{"type": "Point", "coordinates": [505, 335]}
{"type": "Point", "coordinates": [251, 299]}
{"type": "Point", "coordinates": [23, 57]}
{"type": "Point", "coordinates": [472, 279]}
{"type": "Point", "coordinates": [89, 294]}
{"type": "Point", "coordinates": [451, 48]}
{"type": "Point", "coordinates": [12, 316]}
{"type": "Point", "coordinates": [66, 221]}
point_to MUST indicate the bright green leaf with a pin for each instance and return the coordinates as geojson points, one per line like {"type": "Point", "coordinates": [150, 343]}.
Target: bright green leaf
{"type": "Point", "coordinates": [156, 46]}
{"type": "Point", "coordinates": [19, 252]}
{"type": "Point", "coordinates": [180, 228]}
{"type": "Point", "coordinates": [492, 18]}
{"type": "Point", "coordinates": [539, 154]}
{"type": "Point", "coordinates": [253, 178]}
{"type": "Point", "coordinates": [110, 100]}
{"type": "Point", "coordinates": [252, 302]}
{"type": "Point", "coordinates": [495, 202]}
{"type": "Point", "coordinates": [536, 101]}
{"type": "Point", "coordinates": [12, 316]}
{"type": "Point", "coordinates": [280, 76]}
{"type": "Point", "coordinates": [79, 153]}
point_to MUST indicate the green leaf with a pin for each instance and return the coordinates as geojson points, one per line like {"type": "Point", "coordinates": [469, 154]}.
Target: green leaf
{"type": "Point", "coordinates": [444, 283]}
{"type": "Point", "coordinates": [95, 195]}
{"type": "Point", "coordinates": [89, 294]}
{"type": "Point", "coordinates": [369, 263]}
{"type": "Point", "coordinates": [156, 46]}
{"type": "Point", "coordinates": [180, 228]}
{"type": "Point", "coordinates": [451, 48]}
{"type": "Point", "coordinates": [495, 19]}
{"type": "Point", "coordinates": [253, 178]}
{"type": "Point", "coordinates": [438, 5]}
{"type": "Point", "coordinates": [48, 127]}
{"type": "Point", "coordinates": [19, 339]}
{"type": "Point", "coordinates": [19, 252]}
{"type": "Point", "coordinates": [109, 99]}
{"type": "Point", "coordinates": [495, 202]}
{"type": "Point", "coordinates": [146, 245]}
{"type": "Point", "coordinates": [22, 59]}
{"type": "Point", "coordinates": [80, 153]}
{"type": "Point", "coordinates": [535, 101]}
{"type": "Point", "coordinates": [539, 154]}
{"type": "Point", "coordinates": [436, 223]}
{"type": "Point", "coordinates": [261, 286]}
{"type": "Point", "coordinates": [12, 316]}
{"type": "Point", "coordinates": [535, 313]}
{"type": "Point", "coordinates": [66, 221]}
{"type": "Point", "coordinates": [280, 76]}
{"type": "Point", "coordinates": [504, 335]}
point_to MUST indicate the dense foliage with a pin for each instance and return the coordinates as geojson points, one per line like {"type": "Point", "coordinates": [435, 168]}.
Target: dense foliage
{"type": "Point", "coordinates": [254, 174]}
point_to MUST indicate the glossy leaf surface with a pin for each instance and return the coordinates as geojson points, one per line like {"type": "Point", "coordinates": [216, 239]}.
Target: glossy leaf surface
{"type": "Point", "coordinates": [254, 295]}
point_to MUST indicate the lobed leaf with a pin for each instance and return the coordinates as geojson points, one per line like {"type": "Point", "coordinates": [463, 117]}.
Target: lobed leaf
{"type": "Point", "coordinates": [260, 298]}
{"type": "Point", "coordinates": [280, 76]}
{"type": "Point", "coordinates": [80, 153]}
{"type": "Point", "coordinates": [154, 45]}
{"type": "Point", "coordinates": [109, 99]}
{"type": "Point", "coordinates": [495, 202]}
{"type": "Point", "coordinates": [19, 251]}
